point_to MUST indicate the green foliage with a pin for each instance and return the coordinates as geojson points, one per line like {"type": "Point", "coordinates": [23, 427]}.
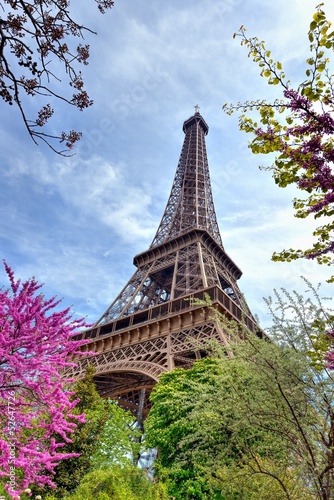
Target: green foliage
{"type": "Point", "coordinates": [120, 440]}
{"type": "Point", "coordinates": [256, 423]}
{"type": "Point", "coordinates": [303, 323]}
{"type": "Point", "coordinates": [243, 483]}
{"type": "Point", "coordinates": [299, 130]}
{"type": "Point", "coordinates": [107, 437]}
{"type": "Point", "coordinates": [200, 423]}
{"type": "Point", "coordinates": [112, 483]}
{"type": "Point", "coordinates": [118, 483]}
{"type": "Point", "coordinates": [86, 437]}
{"type": "Point", "coordinates": [3, 493]}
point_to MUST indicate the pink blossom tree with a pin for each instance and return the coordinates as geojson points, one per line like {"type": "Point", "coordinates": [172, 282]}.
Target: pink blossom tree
{"type": "Point", "coordinates": [36, 419]}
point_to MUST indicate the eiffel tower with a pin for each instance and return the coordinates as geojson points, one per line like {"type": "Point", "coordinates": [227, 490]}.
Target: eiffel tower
{"type": "Point", "coordinates": [153, 325]}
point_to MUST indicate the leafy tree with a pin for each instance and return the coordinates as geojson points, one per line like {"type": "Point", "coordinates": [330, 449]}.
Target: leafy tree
{"type": "Point", "coordinates": [257, 423]}
{"type": "Point", "coordinates": [85, 438]}
{"type": "Point", "coordinates": [106, 437]}
{"type": "Point", "coordinates": [35, 37]}
{"type": "Point", "coordinates": [35, 346]}
{"type": "Point", "coordinates": [119, 483]}
{"type": "Point", "coordinates": [299, 128]}
{"type": "Point", "coordinates": [316, 336]}
{"type": "Point", "coordinates": [205, 436]}
{"type": "Point", "coordinates": [120, 441]}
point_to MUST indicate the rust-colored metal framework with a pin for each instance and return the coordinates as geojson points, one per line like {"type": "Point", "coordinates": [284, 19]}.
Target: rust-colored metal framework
{"type": "Point", "coordinates": [153, 325]}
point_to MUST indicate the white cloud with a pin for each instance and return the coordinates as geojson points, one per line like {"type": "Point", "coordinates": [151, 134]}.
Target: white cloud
{"type": "Point", "coordinates": [95, 187]}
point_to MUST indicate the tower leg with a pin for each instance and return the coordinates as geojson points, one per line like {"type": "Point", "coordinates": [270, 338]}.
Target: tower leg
{"type": "Point", "coordinates": [140, 425]}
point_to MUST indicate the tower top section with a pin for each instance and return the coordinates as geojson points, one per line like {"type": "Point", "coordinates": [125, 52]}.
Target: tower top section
{"type": "Point", "coordinates": [198, 119]}
{"type": "Point", "coordinates": [190, 204]}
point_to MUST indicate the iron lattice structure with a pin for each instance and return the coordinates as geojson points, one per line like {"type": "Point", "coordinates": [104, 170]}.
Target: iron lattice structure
{"type": "Point", "coordinates": [154, 325]}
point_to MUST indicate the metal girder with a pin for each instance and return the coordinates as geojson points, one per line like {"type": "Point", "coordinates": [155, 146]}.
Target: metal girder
{"type": "Point", "coordinates": [186, 264]}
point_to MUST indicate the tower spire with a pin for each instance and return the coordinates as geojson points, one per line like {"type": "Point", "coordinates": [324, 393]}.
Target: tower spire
{"type": "Point", "coordinates": [190, 204]}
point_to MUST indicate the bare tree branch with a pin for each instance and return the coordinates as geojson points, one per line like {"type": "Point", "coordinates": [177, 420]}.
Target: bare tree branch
{"type": "Point", "coordinates": [34, 35]}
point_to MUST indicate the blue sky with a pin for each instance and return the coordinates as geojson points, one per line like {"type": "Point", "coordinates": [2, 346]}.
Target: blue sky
{"type": "Point", "coordinates": [76, 223]}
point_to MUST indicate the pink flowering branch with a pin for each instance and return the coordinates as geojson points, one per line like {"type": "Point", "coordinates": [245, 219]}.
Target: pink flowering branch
{"type": "Point", "coordinates": [307, 148]}
{"type": "Point", "coordinates": [298, 128]}
{"type": "Point", "coordinates": [36, 344]}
